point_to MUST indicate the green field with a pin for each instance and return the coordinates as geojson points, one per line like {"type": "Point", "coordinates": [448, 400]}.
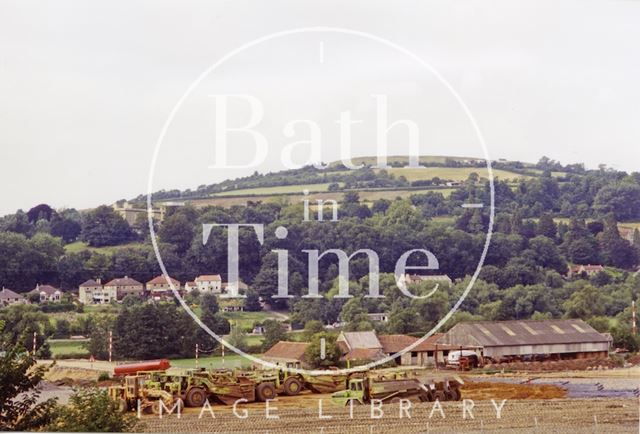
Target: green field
{"type": "Point", "coordinates": [60, 347]}
{"type": "Point", "coordinates": [262, 191]}
{"type": "Point", "coordinates": [79, 246]}
{"type": "Point", "coordinates": [403, 159]}
{"type": "Point", "coordinates": [365, 196]}
{"type": "Point", "coordinates": [215, 362]}
{"type": "Point", "coordinates": [451, 173]}
{"type": "Point", "coordinates": [255, 340]}
{"type": "Point", "coordinates": [246, 319]}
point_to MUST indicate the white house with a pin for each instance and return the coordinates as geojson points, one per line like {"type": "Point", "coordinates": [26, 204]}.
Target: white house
{"type": "Point", "coordinates": [93, 292]}
{"type": "Point", "coordinates": [160, 287]}
{"type": "Point", "coordinates": [209, 283]}
{"type": "Point", "coordinates": [190, 286]}
{"type": "Point", "coordinates": [47, 293]}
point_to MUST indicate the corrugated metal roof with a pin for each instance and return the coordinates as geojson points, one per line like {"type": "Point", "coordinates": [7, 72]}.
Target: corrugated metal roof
{"type": "Point", "coordinates": [364, 354]}
{"type": "Point", "coordinates": [366, 339]}
{"type": "Point", "coordinates": [396, 343]}
{"type": "Point", "coordinates": [503, 333]}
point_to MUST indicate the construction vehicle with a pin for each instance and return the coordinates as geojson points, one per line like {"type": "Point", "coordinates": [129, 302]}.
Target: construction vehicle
{"type": "Point", "coordinates": [135, 394]}
{"type": "Point", "coordinates": [271, 382]}
{"type": "Point", "coordinates": [195, 386]}
{"type": "Point", "coordinates": [223, 386]}
{"type": "Point", "coordinates": [325, 383]}
{"type": "Point", "coordinates": [362, 388]}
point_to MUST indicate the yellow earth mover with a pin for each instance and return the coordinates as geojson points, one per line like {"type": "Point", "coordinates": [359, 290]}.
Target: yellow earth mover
{"type": "Point", "coordinates": [135, 394]}
{"type": "Point", "coordinates": [364, 388]}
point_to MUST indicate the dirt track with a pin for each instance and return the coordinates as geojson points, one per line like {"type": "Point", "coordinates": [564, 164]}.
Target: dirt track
{"type": "Point", "coordinates": [561, 416]}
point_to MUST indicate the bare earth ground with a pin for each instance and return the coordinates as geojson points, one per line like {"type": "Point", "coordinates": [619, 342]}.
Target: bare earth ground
{"type": "Point", "coordinates": [538, 405]}
{"type": "Point", "coordinates": [544, 416]}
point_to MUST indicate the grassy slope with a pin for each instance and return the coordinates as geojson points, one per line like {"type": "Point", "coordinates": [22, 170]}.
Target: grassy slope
{"type": "Point", "coordinates": [66, 346]}
{"type": "Point", "coordinates": [276, 190]}
{"type": "Point", "coordinates": [230, 361]}
{"type": "Point", "coordinates": [452, 173]}
{"type": "Point", "coordinates": [79, 246]}
{"type": "Point", "coordinates": [365, 196]}
{"type": "Point", "coordinates": [246, 319]}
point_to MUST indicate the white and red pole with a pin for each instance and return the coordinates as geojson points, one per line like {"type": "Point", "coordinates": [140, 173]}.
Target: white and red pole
{"type": "Point", "coordinates": [634, 328]}
{"type": "Point", "coordinates": [110, 345]}
{"type": "Point", "coordinates": [35, 334]}
{"type": "Point", "coordinates": [197, 351]}
{"type": "Point", "coordinates": [222, 354]}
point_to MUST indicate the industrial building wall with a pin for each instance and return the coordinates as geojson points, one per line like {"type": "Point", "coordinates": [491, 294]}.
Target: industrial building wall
{"type": "Point", "coordinates": [521, 350]}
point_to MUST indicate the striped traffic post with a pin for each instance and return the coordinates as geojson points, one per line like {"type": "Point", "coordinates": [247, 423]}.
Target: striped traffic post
{"type": "Point", "coordinates": [110, 345]}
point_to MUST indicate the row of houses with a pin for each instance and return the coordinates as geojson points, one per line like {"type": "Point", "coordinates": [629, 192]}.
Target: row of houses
{"type": "Point", "coordinates": [93, 291]}
{"type": "Point", "coordinates": [158, 288]}
{"type": "Point", "coordinates": [42, 292]}
{"type": "Point", "coordinates": [492, 341]}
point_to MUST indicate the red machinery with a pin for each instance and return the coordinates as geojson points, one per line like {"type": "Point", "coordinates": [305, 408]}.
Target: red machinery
{"type": "Point", "coordinates": [149, 365]}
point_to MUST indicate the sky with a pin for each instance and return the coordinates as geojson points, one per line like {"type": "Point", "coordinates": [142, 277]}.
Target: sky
{"type": "Point", "coordinates": [86, 88]}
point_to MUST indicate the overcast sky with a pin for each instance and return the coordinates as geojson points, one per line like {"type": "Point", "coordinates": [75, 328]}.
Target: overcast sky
{"type": "Point", "coordinates": [86, 86]}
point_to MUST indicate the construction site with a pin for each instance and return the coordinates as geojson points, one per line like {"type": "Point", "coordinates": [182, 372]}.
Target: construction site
{"type": "Point", "coordinates": [586, 395]}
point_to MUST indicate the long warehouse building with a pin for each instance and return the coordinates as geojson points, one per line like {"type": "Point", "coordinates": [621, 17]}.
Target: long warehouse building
{"type": "Point", "coordinates": [571, 338]}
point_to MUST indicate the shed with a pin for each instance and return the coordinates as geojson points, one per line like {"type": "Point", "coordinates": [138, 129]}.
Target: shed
{"type": "Point", "coordinates": [289, 354]}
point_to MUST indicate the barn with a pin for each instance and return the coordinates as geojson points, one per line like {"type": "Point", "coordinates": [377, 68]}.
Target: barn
{"type": "Point", "coordinates": [571, 338]}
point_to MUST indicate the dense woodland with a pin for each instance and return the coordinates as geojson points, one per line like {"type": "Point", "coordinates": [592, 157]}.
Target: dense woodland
{"type": "Point", "coordinates": [542, 224]}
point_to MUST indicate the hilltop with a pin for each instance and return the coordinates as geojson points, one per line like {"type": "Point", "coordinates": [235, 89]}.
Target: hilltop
{"type": "Point", "coordinates": [442, 174]}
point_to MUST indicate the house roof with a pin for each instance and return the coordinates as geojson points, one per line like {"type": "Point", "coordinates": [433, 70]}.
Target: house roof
{"type": "Point", "coordinates": [89, 284]}
{"type": "Point", "coordinates": [396, 343]}
{"type": "Point", "coordinates": [587, 267]}
{"type": "Point", "coordinates": [208, 278]}
{"type": "Point", "coordinates": [162, 280]}
{"type": "Point", "coordinates": [366, 339]}
{"type": "Point", "coordinates": [287, 350]}
{"type": "Point", "coordinates": [364, 354]}
{"type": "Point", "coordinates": [47, 289]}
{"type": "Point", "coordinates": [7, 294]}
{"type": "Point", "coordinates": [412, 278]}
{"type": "Point", "coordinates": [123, 281]}
{"type": "Point", "coordinates": [509, 333]}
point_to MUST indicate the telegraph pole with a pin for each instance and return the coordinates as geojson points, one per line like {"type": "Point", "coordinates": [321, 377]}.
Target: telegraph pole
{"type": "Point", "coordinates": [110, 345]}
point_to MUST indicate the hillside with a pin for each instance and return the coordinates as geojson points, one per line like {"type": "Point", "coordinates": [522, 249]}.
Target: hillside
{"type": "Point", "coordinates": [441, 174]}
